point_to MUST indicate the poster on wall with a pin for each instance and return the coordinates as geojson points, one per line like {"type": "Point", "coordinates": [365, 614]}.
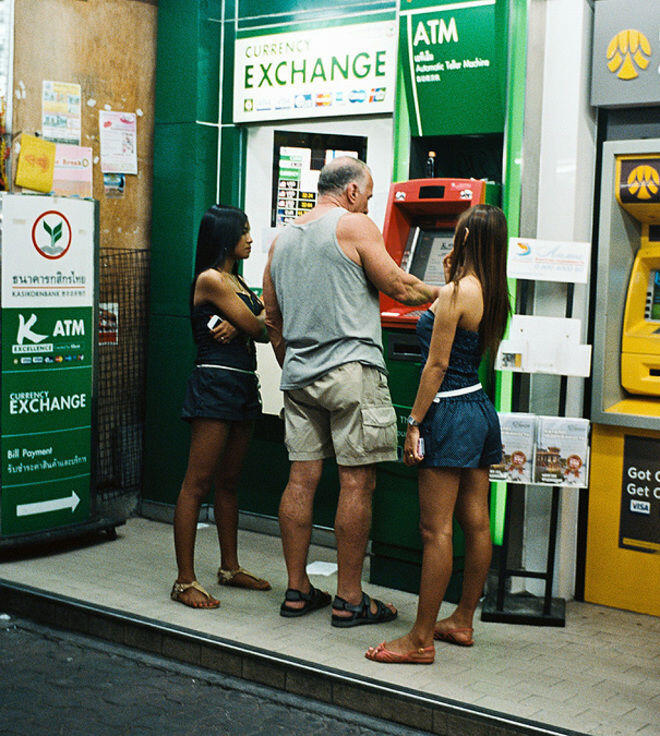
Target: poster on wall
{"type": "Point", "coordinates": [343, 69]}
{"type": "Point", "coordinates": [118, 139]}
{"type": "Point", "coordinates": [47, 362]}
{"type": "Point", "coordinates": [61, 112]}
{"type": "Point", "coordinates": [72, 175]}
{"type": "Point", "coordinates": [639, 527]}
{"type": "Point", "coordinates": [454, 65]}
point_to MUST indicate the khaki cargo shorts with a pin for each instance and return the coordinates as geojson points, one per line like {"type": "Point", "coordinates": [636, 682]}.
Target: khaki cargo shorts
{"type": "Point", "coordinates": [347, 413]}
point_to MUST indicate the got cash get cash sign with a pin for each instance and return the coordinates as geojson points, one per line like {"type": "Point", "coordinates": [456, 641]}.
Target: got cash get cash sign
{"type": "Point", "coordinates": [47, 363]}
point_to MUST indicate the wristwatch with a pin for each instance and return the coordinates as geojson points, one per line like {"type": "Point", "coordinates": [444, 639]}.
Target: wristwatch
{"type": "Point", "coordinates": [413, 422]}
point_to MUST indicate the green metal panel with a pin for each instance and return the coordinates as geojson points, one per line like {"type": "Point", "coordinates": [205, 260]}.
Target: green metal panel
{"type": "Point", "coordinates": [185, 161]}
{"type": "Point", "coordinates": [266, 472]}
{"type": "Point", "coordinates": [511, 196]}
{"type": "Point", "coordinates": [187, 61]}
{"type": "Point", "coordinates": [166, 435]}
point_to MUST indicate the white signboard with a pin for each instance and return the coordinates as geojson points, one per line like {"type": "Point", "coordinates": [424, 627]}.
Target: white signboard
{"type": "Point", "coordinates": [548, 260]}
{"type": "Point", "coordinates": [47, 252]}
{"type": "Point", "coordinates": [342, 70]}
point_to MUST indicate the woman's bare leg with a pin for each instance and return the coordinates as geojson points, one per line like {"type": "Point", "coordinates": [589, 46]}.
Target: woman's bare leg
{"type": "Point", "coordinates": [227, 473]}
{"type": "Point", "coordinates": [438, 488]}
{"type": "Point", "coordinates": [207, 440]}
{"type": "Point", "coordinates": [472, 514]}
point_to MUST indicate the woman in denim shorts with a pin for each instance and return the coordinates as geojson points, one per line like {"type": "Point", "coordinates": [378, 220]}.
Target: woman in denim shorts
{"type": "Point", "coordinates": [222, 399]}
{"type": "Point", "coordinates": [453, 431]}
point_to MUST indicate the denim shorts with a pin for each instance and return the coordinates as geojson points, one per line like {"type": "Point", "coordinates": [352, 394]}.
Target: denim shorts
{"type": "Point", "coordinates": [461, 432]}
{"type": "Point", "coordinates": [214, 392]}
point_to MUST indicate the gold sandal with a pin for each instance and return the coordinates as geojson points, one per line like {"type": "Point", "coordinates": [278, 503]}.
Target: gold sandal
{"type": "Point", "coordinates": [179, 588]}
{"type": "Point", "coordinates": [226, 577]}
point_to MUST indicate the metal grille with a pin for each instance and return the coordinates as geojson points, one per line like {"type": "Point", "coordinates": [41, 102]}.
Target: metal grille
{"type": "Point", "coordinates": [122, 355]}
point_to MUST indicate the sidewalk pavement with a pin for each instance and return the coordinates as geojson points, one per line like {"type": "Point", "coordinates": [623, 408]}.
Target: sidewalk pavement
{"type": "Point", "coordinates": [599, 675]}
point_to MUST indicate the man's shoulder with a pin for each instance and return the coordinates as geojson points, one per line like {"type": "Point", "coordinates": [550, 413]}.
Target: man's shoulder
{"type": "Point", "coordinates": [357, 225]}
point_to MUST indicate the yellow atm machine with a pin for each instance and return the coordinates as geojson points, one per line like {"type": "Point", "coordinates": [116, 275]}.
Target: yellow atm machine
{"type": "Point", "coordinates": [638, 192]}
{"type": "Point", "coordinates": [622, 566]}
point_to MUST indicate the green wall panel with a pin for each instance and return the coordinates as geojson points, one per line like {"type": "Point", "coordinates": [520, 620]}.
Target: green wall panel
{"type": "Point", "coordinates": [167, 437]}
{"type": "Point", "coordinates": [187, 61]}
{"type": "Point", "coordinates": [185, 165]}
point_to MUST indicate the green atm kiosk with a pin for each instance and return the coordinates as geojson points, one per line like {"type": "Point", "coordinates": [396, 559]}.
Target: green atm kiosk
{"type": "Point", "coordinates": [419, 224]}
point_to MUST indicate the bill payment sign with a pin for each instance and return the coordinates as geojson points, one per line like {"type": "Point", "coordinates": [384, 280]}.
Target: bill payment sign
{"type": "Point", "coordinates": [47, 260]}
{"type": "Point", "coordinates": [343, 70]}
{"type": "Point", "coordinates": [548, 260]}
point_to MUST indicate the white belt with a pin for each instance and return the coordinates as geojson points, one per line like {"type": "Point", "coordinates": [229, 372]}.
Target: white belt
{"type": "Point", "coordinates": [456, 392]}
{"type": "Point", "coordinates": [224, 368]}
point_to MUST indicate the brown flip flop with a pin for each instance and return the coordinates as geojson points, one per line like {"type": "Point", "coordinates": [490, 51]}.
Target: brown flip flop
{"type": "Point", "coordinates": [179, 588]}
{"type": "Point", "coordinates": [226, 577]}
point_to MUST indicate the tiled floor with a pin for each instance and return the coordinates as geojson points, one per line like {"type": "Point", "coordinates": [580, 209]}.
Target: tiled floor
{"type": "Point", "coordinates": [599, 675]}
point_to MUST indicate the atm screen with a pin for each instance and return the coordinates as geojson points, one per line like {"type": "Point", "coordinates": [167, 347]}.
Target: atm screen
{"type": "Point", "coordinates": [654, 296]}
{"type": "Point", "coordinates": [424, 253]}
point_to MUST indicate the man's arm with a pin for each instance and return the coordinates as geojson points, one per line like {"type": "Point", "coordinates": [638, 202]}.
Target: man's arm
{"type": "Point", "coordinates": [273, 314]}
{"type": "Point", "coordinates": [362, 242]}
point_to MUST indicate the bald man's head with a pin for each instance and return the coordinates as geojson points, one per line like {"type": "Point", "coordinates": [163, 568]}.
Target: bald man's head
{"type": "Point", "coordinates": [337, 174]}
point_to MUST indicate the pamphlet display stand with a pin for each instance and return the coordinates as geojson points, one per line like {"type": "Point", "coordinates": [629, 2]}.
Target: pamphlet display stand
{"type": "Point", "coordinates": [499, 605]}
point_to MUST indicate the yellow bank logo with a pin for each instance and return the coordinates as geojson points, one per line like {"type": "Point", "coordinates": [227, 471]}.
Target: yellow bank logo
{"type": "Point", "coordinates": [627, 53]}
{"type": "Point", "coordinates": [643, 181]}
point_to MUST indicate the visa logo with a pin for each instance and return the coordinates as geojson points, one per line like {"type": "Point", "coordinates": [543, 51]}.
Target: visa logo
{"type": "Point", "coordinates": [640, 507]}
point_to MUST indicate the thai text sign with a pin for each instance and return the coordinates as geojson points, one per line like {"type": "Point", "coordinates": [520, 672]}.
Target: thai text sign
{"type": "Point", "coordinates": [47, 362]}
{"type": "Point", "coordinates": [347, 69]}
{"type": "Point", "coordinates": [454, 65]}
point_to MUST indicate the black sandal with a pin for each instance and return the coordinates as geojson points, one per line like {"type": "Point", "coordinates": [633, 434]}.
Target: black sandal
{"type": "Point", "coordinates": [361, 613]}
{"type": "Point", "coordinates": [314, 600]}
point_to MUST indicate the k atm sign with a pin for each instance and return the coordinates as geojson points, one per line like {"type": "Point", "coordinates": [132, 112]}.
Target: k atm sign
{"type": "Point", "coordinates": [640, 495]}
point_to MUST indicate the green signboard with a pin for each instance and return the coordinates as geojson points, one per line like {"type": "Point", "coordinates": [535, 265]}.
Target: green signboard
{"type": "Point", "coordinates": [47, 362]}
{"type": "Point", "coordinates": [453, 57]}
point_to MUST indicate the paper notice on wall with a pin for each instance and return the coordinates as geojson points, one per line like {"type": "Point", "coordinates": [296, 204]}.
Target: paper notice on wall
{"type": "Point", "coordinates": [36, 163]}
{"type": "Point", "coordinates": [118, 138]}
{"type": "Point", "coordinates": [108, 323]}
{"type": "Point", "coordinates": [72, 176]}
{"type": "Point", "coordinates": [61, 112]}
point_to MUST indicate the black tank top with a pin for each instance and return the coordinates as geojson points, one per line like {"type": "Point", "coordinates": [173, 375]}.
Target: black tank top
{"type": "Point", "coordinates": [240, 353]}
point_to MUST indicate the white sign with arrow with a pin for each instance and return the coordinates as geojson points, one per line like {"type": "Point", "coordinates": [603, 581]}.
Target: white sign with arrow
{"type": "Point", "coordinates": [43, 507]}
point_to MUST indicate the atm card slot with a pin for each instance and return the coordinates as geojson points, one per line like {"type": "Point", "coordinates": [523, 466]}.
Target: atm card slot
{"type": "Point", "coordinates": [404, 347]}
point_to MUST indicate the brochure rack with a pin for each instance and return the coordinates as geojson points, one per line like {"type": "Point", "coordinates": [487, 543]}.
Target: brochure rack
{"type": "Point", "coordinates": [499, 605]}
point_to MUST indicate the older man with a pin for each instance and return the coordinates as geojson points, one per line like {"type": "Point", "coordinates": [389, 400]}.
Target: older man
{"type": "Point", "coordinates": [321, 288]}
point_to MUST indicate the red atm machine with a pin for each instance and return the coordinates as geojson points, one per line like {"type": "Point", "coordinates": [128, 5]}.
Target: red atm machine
{"type": "Point", "coordinates": [419, 230]}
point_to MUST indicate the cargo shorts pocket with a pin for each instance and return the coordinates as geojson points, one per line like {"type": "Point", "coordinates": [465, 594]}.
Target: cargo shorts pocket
{"type": "Point", "coordinates": [379, 428]}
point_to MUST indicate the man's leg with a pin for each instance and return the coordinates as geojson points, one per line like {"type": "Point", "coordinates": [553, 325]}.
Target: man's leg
{"type": "Point", "coordinates": [296, 507]}
{"type": "Point", "coordinates": [352, 524]}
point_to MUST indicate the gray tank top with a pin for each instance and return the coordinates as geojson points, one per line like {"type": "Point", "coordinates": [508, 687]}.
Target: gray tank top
{"type": "Point", "coordinates": [330, 310]}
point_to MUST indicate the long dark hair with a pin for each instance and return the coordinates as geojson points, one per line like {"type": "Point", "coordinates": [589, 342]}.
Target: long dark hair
{"type": "Point", "coordinates": [480, 243]}
{"type": "Point", "coordinates": [219, 232]}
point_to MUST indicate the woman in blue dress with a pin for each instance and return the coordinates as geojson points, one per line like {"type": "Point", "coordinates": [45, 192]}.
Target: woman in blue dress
{"type": "Point", "coordinates": [459, 429]}
{"type": "Point", "coordinates": [222, 399]}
